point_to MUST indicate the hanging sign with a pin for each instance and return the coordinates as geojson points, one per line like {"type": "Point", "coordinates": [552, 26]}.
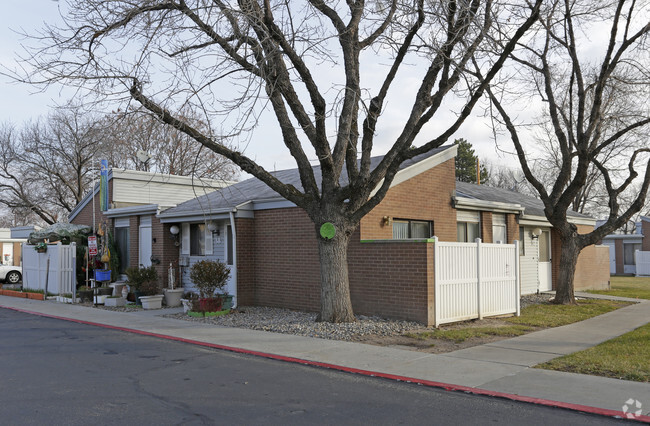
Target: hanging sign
{"type": "Point", "coordinates": [92, 245]}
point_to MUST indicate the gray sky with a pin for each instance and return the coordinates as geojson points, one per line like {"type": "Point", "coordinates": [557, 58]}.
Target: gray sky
{"type": "Point", "coordinates": [22, 103]}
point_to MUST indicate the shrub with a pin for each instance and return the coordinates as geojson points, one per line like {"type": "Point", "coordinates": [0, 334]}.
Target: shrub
{"type": "Point", "coordinates": [143, 280]}
{"type": "Point", "coordinates": [209, 276]}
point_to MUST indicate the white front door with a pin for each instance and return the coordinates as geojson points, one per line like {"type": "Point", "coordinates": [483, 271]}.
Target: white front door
{"type": "Point", "coordinates": [545, 271]}
{"type": "Point", "coordinates": [144, 242]}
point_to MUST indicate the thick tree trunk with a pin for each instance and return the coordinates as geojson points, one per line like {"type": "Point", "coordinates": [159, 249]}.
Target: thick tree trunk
{"type": "Point", "coordinates": [335, 302]}
{"type": "Point", "coordinates": [568, 260]}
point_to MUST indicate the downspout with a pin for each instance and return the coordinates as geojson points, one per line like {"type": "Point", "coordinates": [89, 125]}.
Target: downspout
{"type": "Point", "coordinates": [233, 270]}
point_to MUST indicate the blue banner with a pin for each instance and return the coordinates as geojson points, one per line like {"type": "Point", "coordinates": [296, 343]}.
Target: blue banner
{"type": "Point", "coordinates": [103, 185]}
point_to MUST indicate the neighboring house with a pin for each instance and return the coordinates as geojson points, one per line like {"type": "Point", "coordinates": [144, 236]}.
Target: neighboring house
{"type": "Point", "coordinates": [10, 244]}
{"type": "Point", "coordinates": [623, 246]}
{"type": "Point", "coordinates": [135, 198]}
{"type": "Point", "coordinates": [271, 248]}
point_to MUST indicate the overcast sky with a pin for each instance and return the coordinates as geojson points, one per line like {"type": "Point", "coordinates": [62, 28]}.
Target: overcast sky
{"type": "Point", "coordinates": [21, 103]}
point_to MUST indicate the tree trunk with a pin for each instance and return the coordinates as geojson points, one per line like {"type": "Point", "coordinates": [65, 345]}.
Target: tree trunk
{"type": "Point", "coordinates": [335, 302]}
{"type": "Point", "coordinates": [568, 260]}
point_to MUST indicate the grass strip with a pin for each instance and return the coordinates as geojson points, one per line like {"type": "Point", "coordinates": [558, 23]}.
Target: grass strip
{"type": "Point", "coordinates": [625, 357]}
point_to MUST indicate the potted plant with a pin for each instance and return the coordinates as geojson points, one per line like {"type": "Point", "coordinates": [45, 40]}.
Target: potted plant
{"type": "Point", "coordinates": [137, 277]}
{"type": "Point", "coordinates": [173, 293]}
{"type": "Point", "coordinates": [209, 276]}
{"type": "Point", "coordinates": [145, 282]}
{"type": "Point", "coordinates": [41, 247]}
{"type": "Point", "coordinates": [85, 293]}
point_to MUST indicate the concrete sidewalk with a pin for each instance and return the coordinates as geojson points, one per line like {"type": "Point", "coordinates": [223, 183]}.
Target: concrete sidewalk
{"type": "Point", "coordinates": [499, 367]}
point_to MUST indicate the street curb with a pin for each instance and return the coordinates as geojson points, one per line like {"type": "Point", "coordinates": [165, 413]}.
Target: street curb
{"type": "Point", "coordinates": [429, 383]}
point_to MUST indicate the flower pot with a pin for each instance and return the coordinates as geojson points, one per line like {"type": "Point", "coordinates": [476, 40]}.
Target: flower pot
{"type": "Point", "coordinates": [152, 302]}
{"type": "Point", "coordinates": [114, 301]}
{"type": "Point", "coordinates": [209, 304]}
{"type": "Point", "coordinates": [104, 291]}
{"type": "Point", "coordinates": [227, 301]}
{"type": "Point", "coordinates": [85, 295]}
{"type": "Point", "coordinates": [173, 297]}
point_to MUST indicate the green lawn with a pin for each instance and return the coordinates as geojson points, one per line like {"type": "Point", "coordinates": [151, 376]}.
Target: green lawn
{"type": "Point", "coordinates": [634, 287]}
{"type": "Point", "coordinates": [625, 357]}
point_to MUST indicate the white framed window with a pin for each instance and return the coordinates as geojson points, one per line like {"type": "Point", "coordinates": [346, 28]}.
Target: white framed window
{"type": "Point", "coordinates": [196, 239]}
{"type": "Point", "coordinates": [522, 241]}
{"type": "Point", "coordinates": [404, 229]}
{"type": "Point", "coordinates": [628, 253]}
{"type": "Point", "coordinates": [467, 226]}
{"type": "Point", "coordinates": [499, 229]}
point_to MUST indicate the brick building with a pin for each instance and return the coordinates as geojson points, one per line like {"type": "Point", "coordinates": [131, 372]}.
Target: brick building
{"type": "Point", "coordinates": [271, 247]}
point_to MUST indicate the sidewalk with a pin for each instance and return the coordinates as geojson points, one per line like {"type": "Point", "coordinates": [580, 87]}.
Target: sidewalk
{"type": "Point", "coordinates": [494, 368]}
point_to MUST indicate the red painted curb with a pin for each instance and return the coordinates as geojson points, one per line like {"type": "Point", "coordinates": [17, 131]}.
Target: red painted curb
{"type": "Point", "coordinates": [429, 383]}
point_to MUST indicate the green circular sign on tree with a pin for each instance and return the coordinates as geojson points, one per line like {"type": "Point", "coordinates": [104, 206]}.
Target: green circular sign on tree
{"type": "Point", "coordinates": [327, 230]}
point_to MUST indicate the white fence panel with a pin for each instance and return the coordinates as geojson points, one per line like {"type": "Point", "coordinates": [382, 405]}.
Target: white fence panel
{"type": "Point", "coordinates": [61, 276]}
{"type": "Point", "coordinates": [473, 280]}
{"type": "Point", "coordinates": [642, 259]}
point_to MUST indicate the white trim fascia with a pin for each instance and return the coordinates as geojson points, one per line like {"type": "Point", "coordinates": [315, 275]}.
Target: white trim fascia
{"type": "Point", "coordinates": [623, 237]}
{"type": "Point", "coordinates": [137, 175]}
{"type": "Point", "coordinates": [13, 240]}
{"type": "Point", "coordinates": [462, 203]}
{"type": "Point", "coordinates": [644, 218]}
{"type": "Point", "coordinates": [420, 167]}
{"type": "Point", "coordinates": [278, 203]}
{"type": "Point", "coordinates": [144, 209]}
{"type": "Point", "coordinates": [542, 221]}
{"type": "Point", "coordinates": [192, 215]}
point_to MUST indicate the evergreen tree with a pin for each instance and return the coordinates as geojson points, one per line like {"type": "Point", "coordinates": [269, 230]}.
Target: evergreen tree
{"type": "Point", "coordinates": [466, 163]}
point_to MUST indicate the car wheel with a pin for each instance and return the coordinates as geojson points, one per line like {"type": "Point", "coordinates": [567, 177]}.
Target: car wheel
{"type": "Point", "coordinates": [13, 277]}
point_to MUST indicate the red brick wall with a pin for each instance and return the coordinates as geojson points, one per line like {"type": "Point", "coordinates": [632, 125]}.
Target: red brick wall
{"type": "Point", "coordinates": [512, 228]}
{"type": "Point", "coordinates": [645, 230]}
{"type": "Point", "coordinates": [163, 249]}
{"type": "Point", "coordinates": [245, 229]}
{"type": "Point", "coordinates": [426, 196]}
{"type": "Point", "coordinates": [486, 227]}
{"type": "Point", "coordinates": [391, 279]}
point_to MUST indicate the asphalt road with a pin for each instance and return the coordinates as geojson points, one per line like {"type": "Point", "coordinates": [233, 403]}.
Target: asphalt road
{"type": "Point", "coordinates": [57, 372]}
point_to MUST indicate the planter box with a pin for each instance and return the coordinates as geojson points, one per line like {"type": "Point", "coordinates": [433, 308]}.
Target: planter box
{"type": "Point", "coordinates": [152, 302]}
{"type": "Point", "coordinates": [62, 299]}
{"type": "Point", "coordinates": [114, 301]}
{"type": "Point", "coordinates": [14, 293]}
{"type": "Point", "coordinates": [99, 300]}
{"type": "Point", "coordinates": [35, 296]}
{"type": "Point", "coordinates": [173, 297]}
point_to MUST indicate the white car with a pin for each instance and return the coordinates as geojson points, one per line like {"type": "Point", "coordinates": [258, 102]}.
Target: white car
{"type": "Point", "coordinates": [11, 274]}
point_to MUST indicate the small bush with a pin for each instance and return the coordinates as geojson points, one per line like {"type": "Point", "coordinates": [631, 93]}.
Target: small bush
{"type": "Point", "coordinates": [143, 280]}
{"type": "Point", "coordinates": [209, 276]}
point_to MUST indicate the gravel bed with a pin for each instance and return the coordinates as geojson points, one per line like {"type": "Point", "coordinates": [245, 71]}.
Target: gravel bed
{"type": "Point", "coordinates": [534, 299]}
{"type": "Point", "coordinates": [304, 323]}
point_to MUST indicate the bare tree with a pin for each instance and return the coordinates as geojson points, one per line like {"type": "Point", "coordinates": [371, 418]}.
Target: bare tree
{"type": "Point", "coordinates": [46, 167]}
{"type": "Point", "coordinates": [596, 105]}
{"type": "Point", "coordinates": [302, 63]}
{"type": "Point", "coordinates": [172, 151]}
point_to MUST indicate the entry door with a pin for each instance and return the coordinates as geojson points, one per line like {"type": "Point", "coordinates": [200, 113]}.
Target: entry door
{"type": "Point", "coordinates": [144, 242]}
{"type": "Point", "coordinates": [545, 274]}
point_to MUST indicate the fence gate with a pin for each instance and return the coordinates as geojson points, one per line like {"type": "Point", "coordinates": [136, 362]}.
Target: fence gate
{"type": "Point", "coordinates": [475, 280]}
{"type": "Point", "coordinates": [61, 276]}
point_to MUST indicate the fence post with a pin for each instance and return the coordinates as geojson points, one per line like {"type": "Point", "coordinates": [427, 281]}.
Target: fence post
{"type": "Point", "coordinates": [478, 278]}
{"type": "Point", "coordinates": [517, 279]}
{"type": "Point", "coordinates": [436, 282]}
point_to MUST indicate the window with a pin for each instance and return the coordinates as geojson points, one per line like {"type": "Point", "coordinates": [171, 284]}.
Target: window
{"type": "Point", "coordinates": [122, 243]}
{"type": "Point", "coordinates": [404, 229]}
{"type": "Point", "coordinates": [628, 253]}
{"type": "Point", "coordinates": [522, 242]}
{"type": "Point", "coordinates": [197, 239]}
{"type": "Point", "coordinates": [466, 232]}
{"type": "Point", "coordinates": [499, 234]}
{"type": "Point", "coordinates": [545, 246]}
{"type": "Point", "coordinates": [467, 226]}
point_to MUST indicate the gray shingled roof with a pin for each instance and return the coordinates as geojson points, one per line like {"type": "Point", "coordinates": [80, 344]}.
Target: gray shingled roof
{"type": "Point", "coordinates": [533, 206]}
{"type": "Point", "coordinates": [253, 189]}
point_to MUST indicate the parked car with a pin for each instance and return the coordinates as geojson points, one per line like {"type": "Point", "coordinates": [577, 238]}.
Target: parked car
{"type": "Point", "coordinates": [11, 274]}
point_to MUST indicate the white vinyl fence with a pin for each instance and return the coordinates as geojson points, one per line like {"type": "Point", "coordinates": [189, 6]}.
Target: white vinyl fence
{"type": "Point", "coordinates": [475, 280]}
{"type": "Point", "coordinates": [642, 259]}
{"type": "Point", "coordinates": [61, 276]}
